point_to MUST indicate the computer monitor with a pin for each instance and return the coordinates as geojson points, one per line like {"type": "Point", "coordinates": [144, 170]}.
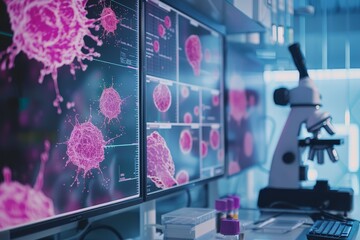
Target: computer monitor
{"type": "Point", "coordinates": [70, 117]}
{"type": "Point", "coordinates": [184, 100]}
{"type": "Point", "coordinates": [245, 110]}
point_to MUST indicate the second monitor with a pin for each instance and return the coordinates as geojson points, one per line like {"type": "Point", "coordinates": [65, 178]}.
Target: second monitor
{"type": "Point", "coordinates": [184, 100]}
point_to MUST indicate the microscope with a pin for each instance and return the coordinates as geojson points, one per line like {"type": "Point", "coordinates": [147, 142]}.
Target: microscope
{"type": "Point", "coordinates": [287, 169]}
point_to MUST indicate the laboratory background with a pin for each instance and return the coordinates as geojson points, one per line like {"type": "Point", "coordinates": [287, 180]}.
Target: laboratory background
{"type": "Point", "coordinates": [187, 119]}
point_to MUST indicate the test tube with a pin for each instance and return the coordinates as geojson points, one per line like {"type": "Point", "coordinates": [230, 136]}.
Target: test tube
{"type": "Point", "coordinates": [230, 206]}
{"type": "Point", "coordinates": [236, 206]}
{"type": "Point", "coordinates": [221, 212]}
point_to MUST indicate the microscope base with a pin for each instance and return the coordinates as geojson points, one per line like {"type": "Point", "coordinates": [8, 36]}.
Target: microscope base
{"type": "Point", "coordinates": [307, 198]}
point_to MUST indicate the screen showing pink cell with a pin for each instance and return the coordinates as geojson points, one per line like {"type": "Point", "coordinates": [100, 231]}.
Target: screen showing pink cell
{"type": "Point", "coordinates": [110, 103]}
{"type": "Point", "coordinates": [194, 53]}
{"type": "Point", "coordinates": [167, 22]}
{"type": "Point", "coordinates": [162, 97]}
{"type": "Point", "coordinates": [85, 148]}
{"type": "Point", "coordinates": [237, 104]}
{"type": "Point", "coordinates": [40, 33]}
{"type": "Point", "coordinates": [204, 149]}
{"type": "Point", "coordinates": [187, 118]}
{"type": "Point", "coordinates": [21, 203]}
{"type": "Point", "coordinates": [160, 165]}
{"type": "Point", "coordinates": [156, 46]}
{"type": "Point", "coordinates": [161, 30]}
{"type": "Point", "coordinates": [214, 139]}
{"type": "Point", "coordinates": [182, 177]}
{"type": "Point", "coordinates": [185, 141]}
{"type": "Point", "coordinates": [109, 20]}
{"type": "Point", "coordinates": [216, 100]}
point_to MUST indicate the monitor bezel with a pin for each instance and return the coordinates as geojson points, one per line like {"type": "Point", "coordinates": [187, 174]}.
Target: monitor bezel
{"type": "Point", "coordinates": [218, 29]}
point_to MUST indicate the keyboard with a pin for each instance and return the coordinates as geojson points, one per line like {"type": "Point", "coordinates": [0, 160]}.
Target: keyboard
{"type": "Point", "coordinates": [332, 229]}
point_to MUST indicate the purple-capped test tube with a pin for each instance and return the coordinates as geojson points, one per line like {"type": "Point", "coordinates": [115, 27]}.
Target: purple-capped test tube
{"type": "Point", "coordinates": [221, 207]}
{"type": "Point", "coordinates": [236, 200]}
{"type": "Point", "coordinates": [230, 206]}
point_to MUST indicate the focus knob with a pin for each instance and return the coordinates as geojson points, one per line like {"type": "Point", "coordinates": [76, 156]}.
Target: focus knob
{"type": "Point", "coordinates": [282, 96]}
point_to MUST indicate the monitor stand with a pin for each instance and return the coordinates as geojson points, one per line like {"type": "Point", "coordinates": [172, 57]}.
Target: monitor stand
{"type": "Point", "coordinates": [148, 220]}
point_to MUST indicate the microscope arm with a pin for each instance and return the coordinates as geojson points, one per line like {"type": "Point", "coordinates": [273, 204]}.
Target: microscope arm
{"type": "Point", "coordinates": [286, 160]}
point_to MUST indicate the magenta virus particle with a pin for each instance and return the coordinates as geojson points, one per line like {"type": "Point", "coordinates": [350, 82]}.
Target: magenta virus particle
{"type": "Point", "coordinates": [185, 141]}
{"type": "Point", "coordinates": [187, 118]}
{"type": "Point", "coordinates": [109, 20]}
{"type": "Point", "coordinates": [215, 100]}
{"type": "Point", "coordinates": [161, 30]}
{"type": "Point", "coordinates": [233, 167]}
{"type": "Point", "coordinates": [160, 165]}
{"type": "Point", "coordinates": [238, 103]}
{"type": "Point", "coordinates": [248, 144]}
{"type": "Point", "coordinates": [52, 33]}
{"type": "Point", "coordinates": [182, 177]}
{"type": "Point", "coordinates": [203, 149]}
{"type": "Point", "coordinates": [156, 46]}
{"type": "Point", "coordinates": [214, 138]}
{"type": "Point", "coordinates": [85, 148]}
{"type": "Point", "coordinates": [196, 110]}
{"type": "Point", "coordinates": [162, 97]}
{"type": "Point", "coordinates": [185, 92]}
{"type": "Point", "coordinates": [20, 203]}
{"type": "Point", "coordinates": [167, 22]}
{"type": "Point", "coordinates": [193, 53]}
{"type": "Point", "coordinates": [110, 103]}
{"type": "Point", "coordinates": [70, 105]}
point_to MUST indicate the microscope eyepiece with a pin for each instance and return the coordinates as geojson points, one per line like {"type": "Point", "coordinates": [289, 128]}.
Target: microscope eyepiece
{"type": "Point", "coordinates": [298, 59]}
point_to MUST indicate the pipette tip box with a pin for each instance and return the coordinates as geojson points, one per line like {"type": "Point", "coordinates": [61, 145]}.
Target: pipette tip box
{"type": "Point", "coordinates": [190, 223]}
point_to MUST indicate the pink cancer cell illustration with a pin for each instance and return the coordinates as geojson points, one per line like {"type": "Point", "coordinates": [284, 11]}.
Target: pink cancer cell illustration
{"type": "Point", "coordinates": [161, 30]}
{"type": "Point", "coordinates": [214, 139]}
{"type": "Point", "coordinates": [185, 141]}
{"type": "Point", "coordinates": [110, 103]}
{"type": "Point", "coordinates": [238, 103]}
{"type": "Point", "coordinates": [233, 167]}
{"type": "Point", "coordinates": [162, 97]}
{"type": "Point", "coordinates": [21, 203]}
{"type": "Point", "coordinates": [196, 110]}
{"type": "Point", "coordinates": [156, 46]}
{"type": "Point", "coordinates": [167, 22]}
{"type": "Point", "coordinates": [194, 53]}
{"type": "Point", "coordinates": [85, 148]}
{"type": "Point", "coordinates": [160, 165]}
{"type": "Point", "coordinates": [215, 100]}
{"type": "Point", "coordinates": [187, 118]}
{"type": "Point", "coordinates": [182, 177]}
{"type": "Point", "coordinates": [109, 20]}
{"type": "Point", "coordinates": [52, 33]}
{"type": "Point", "coordinates": [185, 92]}
{"type": "Point", "coordinates": [248, 144]}
{"type": "Point", "coordinates": [203, 149]}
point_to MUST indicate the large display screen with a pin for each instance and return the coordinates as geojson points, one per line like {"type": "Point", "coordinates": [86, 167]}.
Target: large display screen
{"type": "Point", "coordinates": [184, 99]}
{"type": "Point", "coordinates": [245, 110]}
{"type": "Point", "coordinates": [69, 99]}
